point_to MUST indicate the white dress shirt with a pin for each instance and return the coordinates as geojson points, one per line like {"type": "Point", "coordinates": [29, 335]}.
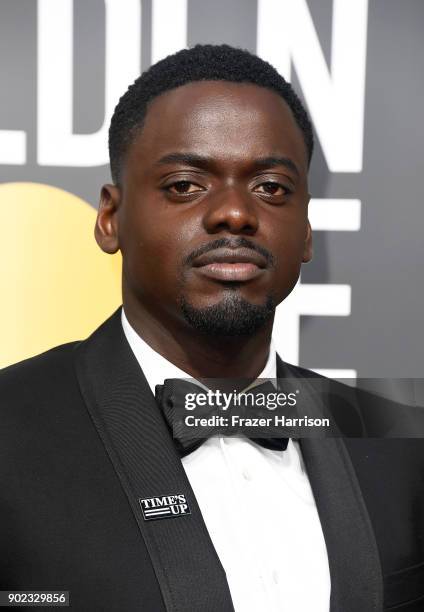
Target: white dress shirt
{"type": "Point", "coordinates": [258, 507]}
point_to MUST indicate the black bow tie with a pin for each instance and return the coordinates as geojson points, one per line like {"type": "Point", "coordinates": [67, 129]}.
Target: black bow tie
{"type": "Point", "coordinates": [171, 398]}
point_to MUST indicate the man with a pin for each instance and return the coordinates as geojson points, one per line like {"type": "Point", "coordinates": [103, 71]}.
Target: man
{"type": "Point", "coordinates": [209, 154]}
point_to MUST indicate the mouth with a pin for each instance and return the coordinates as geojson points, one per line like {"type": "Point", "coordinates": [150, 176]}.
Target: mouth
{"type": "Point", "coordinates": [236, 265]}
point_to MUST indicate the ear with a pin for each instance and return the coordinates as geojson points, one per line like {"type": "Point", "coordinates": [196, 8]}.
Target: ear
{"type": "Point", "coordinates": [106, 228]}
{"type": "Point", "coordinates": [307, 250]}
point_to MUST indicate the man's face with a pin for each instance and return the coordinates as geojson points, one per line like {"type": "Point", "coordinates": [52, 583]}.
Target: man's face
{"type": "Point", "coordinates": [212, 211]}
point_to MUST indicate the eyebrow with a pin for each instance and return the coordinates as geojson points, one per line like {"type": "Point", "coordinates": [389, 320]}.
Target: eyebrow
{"type": "Point", "coordinates": [270, 162]}
{"type": "Point", "coordinates": [204, 162]}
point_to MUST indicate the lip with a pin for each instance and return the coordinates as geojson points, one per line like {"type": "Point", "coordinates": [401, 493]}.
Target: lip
{"type": "Point", "coordinates": [235, 265]}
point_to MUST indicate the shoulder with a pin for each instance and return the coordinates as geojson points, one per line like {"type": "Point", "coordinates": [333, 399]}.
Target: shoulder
{"type": "Point", "coordinates": [31, 389]}
{"type": "Point", "coordinates": [42, 412]}
{"type": "Point", "coordinates": [334, 394]}
{"type": "Point", "coordinates": [48, 383]}
{"type": "Point", "coordinates": [367, 408]}
{"type": "Point", "coordinates": [37, 371]}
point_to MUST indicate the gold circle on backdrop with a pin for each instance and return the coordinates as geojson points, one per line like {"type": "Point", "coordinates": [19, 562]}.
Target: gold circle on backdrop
{"type": "Point", "coordinates": [56, 285]}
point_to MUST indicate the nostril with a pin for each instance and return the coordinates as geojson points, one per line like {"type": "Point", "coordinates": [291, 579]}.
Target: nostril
{"type": "Point", "coordinates": [246, 229]}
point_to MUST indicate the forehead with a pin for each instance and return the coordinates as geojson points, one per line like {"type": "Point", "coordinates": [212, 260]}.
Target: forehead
{"type": "Point", "coordinates": [222, 120]}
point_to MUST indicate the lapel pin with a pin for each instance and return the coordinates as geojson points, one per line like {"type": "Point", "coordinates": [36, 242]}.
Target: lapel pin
{"type": "Point", "coordinates": [164, 506]}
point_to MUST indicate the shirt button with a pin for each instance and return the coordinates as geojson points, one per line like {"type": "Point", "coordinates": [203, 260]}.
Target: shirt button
{"type": "Point", "coordinates": [246, 474]}
{"type": "Point", "coordinates": [275, 576]}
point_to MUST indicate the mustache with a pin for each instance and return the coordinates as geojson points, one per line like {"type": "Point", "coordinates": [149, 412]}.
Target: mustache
{"type": "Point", "coordinates": [228, 243]}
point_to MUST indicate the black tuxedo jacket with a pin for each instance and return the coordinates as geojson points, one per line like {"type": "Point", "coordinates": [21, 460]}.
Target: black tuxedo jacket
{"type": "Point", "coordinates": [82, 440]}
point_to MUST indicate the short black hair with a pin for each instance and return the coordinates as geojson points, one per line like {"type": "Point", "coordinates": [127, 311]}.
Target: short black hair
{"type": "Point", "coordinates": [200, 63]}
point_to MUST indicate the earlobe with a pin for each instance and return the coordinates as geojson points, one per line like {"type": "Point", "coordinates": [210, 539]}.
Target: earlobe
{"type": "Point", "coordinates": [106, 228]}
{"type": "Point", "coordinates": [308, 251]}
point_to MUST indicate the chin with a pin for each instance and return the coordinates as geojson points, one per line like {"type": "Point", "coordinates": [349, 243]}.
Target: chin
{"type": "Point", "coordinates": [233, 315]}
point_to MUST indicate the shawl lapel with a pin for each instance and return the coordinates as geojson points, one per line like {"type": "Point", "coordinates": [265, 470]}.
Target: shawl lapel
{"type": "Point", "coordinates": [356, 580]}
{"type": "Point", "coordinates": [142, 452]}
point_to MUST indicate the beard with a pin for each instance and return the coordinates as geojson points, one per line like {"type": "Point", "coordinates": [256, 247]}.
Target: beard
{"type": "Point", "coordinates": [232, 316]}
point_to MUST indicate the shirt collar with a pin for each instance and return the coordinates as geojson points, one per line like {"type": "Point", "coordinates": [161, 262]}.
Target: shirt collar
{"type": "Point", "coordinates": [157, 368]}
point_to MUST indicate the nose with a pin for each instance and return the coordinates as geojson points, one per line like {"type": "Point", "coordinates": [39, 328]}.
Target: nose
{"type": "Point", "coordinates": [231, 211]}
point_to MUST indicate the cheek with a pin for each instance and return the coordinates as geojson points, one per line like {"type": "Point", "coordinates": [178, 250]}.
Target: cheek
{"type": "Point", "coordinates": [152, 259]}
{"type": "Point", "coordinates": [288, 253]}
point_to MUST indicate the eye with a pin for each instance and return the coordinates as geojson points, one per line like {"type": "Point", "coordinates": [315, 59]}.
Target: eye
{"type": "Point", "coordinates": [183, 188]}
{"type": "Point", "coordinates": [271, 188]}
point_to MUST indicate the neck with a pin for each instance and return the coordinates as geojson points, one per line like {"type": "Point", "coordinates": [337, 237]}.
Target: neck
{"type": "Point", "coordinates": [201, 355]}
